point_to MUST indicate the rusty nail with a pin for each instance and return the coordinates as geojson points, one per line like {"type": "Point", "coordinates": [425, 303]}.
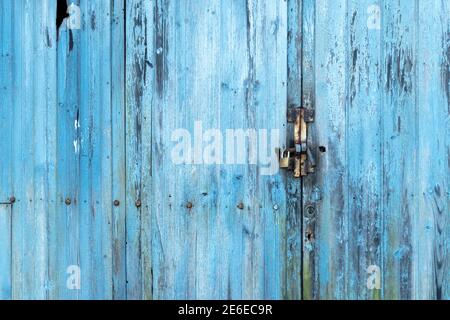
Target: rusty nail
{"type": "Point", "coordinates": [240, 206]}
{"type": "Point", "coordinates": [138, 203]}
{"type": "Point", "coordinates": [12, 199]}
{"type": "Point", "coordinates": [116, 203]}
{"type": "Point", "coordinates": [68, 201]}
{"type": "Point", "coordinates": [189, 205]}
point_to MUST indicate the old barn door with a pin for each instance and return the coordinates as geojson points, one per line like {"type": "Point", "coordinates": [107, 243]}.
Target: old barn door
{"type": "Point", "coordinates": [377, 213]}
{"type": "Point", "coordinates": [207, 89]}
{"type": "Point", "coordinates": [138, 138]}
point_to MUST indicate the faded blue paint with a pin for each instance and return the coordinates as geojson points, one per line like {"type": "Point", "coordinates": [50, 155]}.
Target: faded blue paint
{"type": "Point", "coordinates": [382, 106]}
{"type": "Point", "coordinates": [86, 120]}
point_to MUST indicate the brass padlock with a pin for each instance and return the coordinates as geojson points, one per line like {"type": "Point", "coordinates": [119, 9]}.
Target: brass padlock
{"type": "Point", "coordinates": [285, 159]}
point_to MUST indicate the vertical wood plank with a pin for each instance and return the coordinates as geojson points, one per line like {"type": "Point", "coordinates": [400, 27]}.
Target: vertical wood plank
{"type": "Point", "coordinates": [24, 241]}
{"type": "Point", "coordinates": [96, 149]}
{"type": "Point", "coordinates": [363, 164]}
{"type": "Point", "coordinates": [6, 160]}
{"type": "Point", "coordinates": [5, 253]}
{"type": "Point", "coordinates": [43, 66]}
{"type": "Point", "coordinates": [17, 218]}
{"type": "Point", "coordinates": [292, 252]}
{"type": "Point", "coordinates": [140, 25]}
{"type": "Point", "coordinates": [310, 198]}
{"type": "Point", "coordinates": [270, 99]}
{"type": "Point", "coordinates": [6, 131]}
{"type": "Point", "coordinates": [6, 105]}
{"type": "Point", "coordinates": [399, 147]}
{"type": "Point", "coordinates": [432, 224]}
{"type": "Point", "coordinates": [233, 69]}
{"type": "Point", "coordinates": [331, 184]}
{"type": "Point", "coordinates": [117, 48]}
{"type": "Point", "coordinates": [64, 227]}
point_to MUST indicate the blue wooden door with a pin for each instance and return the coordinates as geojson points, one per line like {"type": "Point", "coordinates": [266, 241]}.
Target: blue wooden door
{"type": "Point", "coordinates": [214, 221]}
{"type": "Point", "coordinates": [377, 73]}
{"type": "Point", "coordinates": [62, 138]}
{"type": "Point", "coordinates": [137, 149]}
{"type": "Point", "coordinates": [91, 107]}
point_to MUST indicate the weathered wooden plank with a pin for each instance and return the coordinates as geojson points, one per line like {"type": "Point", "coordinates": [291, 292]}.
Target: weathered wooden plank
{"type": "Point", "coordinates": [95, 148]}
{"type": "Point", "coordinates": [6, 103]}
{"type": "Point", "coordinates": [33, 143]}
{"type": "Point", "coordinates": [63, 226]}
{"type": "Point", "coordinates": [17, 28]}
{"type": "Point", "coordinates": [118, 148]}
{"type": "Point", "coordinates": [270, 97]}
{"type": "Point", "coordinates": [185, 85]}
{"type": "Point", "coordinates": [24, 278]}
{"type": "Point", "coordinates": [5, 253]}
{"type": "Point", "coordinates": [44, 99]}
{"type": "Point", "coordinates": [292, 251]}
{"type": "Point", "coordinates": [232, 70]}
{"type": "Point", "coordinates": [6, 112]}
{"type": "Point", "coordinates": [399, 147]}
{"type": "Point", "coordinates": [363, 164]}
{"type": "Point", "coordinates": [431, 223]}
{"type": "Point", "coordinates": [331, 79]}
{"type": "Point", "coordinates": [309, 186]}
{"type": "Point", "coordinates": [140, 53]}
{"type": "Point", "coordinates": [102, 144]}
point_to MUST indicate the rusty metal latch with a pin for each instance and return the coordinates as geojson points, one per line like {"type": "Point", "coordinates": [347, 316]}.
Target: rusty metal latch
{"type": "Point", "coordinates": [298, 158]}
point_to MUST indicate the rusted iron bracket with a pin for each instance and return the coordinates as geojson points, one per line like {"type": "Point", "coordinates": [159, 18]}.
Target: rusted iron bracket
{"type": "Point", "coordinates": [299, 158]}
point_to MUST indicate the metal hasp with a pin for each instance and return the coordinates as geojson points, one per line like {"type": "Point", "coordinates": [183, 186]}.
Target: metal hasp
{"type": "Point", "coordinates": [298, 158]}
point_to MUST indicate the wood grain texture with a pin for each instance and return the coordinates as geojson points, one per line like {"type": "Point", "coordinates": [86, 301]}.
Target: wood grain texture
{"type": "Point", "coordinates": [58, 102]}
{"type": "Point", "coordinates": [382, 114]}
{"type": "Point", "coordinates": [331, 76]}
{"type": "Point", "coordinates": [6, 253]}
{"type": "Point", "coordinates": [363, 126]}
{"type": "Point", "coordinates": [310, 193]}
{"type": "Point", "coordinates": [399, 149]}
{"type": "Point", "coordinates": [140, 42]}
{"type": "Point", "coordinates": [118, 151]}
{"type": "Point", "coordinates": [6, 72]}
{"type": "Point", "coordinates": [208, 63]}
{"type": "Point", "coordinates": [6, 159]}
{"type": "Point", "coordinates": [33, 147]}
{"type": "Point", "coordinates": [64, 225]}
{"type": "Point", "coordinates": [87, 118]}
{"type": "Point", "coordinates": [432, 228]}
{"type": "Point", "coordinates": [293, 252]}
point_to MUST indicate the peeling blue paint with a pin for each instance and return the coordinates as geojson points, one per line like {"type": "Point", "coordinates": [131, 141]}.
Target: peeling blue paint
{"type": "Point", "coordinates": [86, 178]}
